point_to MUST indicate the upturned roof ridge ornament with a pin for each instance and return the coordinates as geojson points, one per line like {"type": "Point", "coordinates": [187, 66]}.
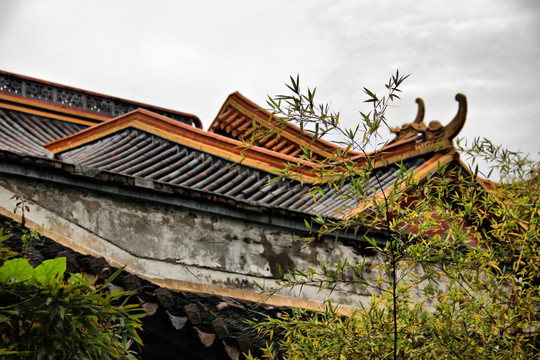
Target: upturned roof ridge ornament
{"type": "Point", "coordinates": [435, 131]}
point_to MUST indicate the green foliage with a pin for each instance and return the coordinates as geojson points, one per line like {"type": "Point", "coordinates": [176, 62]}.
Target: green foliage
{"type": "Point", "coordinates": [457, 278]}
{"type": "Point", "coordinates": [4, 252]}
{"type": "Point", "coordinates": [28, 237]}
{"type": "Point", "coordinates": [21, 204]}
{"type": "Point", "coordinates": [44, 317]}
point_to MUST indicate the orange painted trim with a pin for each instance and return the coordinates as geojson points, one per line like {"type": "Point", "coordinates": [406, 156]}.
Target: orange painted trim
{"type": "Point", "coordinates": [85, 136]}
{"type": "Point", "coordinates": [391, 153]}
{"type": "Point", "coordinates": [51, 109]}
{"type": "Point", "coordinates": [292, 133]}
{"type": "Point", "coordinates": [187, 135]}
{"type": "Point", "coordinates": [402, 150]}
{"type": "Point", "coordinates": [420, 174]}
{"type": "Point", "coordinates": [194, 119]}
{"type": "Point", "coordinates": [46, 114]}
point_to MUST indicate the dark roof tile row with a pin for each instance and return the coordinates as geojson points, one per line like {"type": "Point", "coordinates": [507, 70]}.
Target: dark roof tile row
{"type": "Point", "coordinates": [237, 126]}
{"type": "Point", "coordinates": [26, 133]}
{"type": "Point", "coordinates": [90, 102]}
{"type": "Point", "coordinates": [138, 153]}
{"type": "Point", "coordinates": [237, 118]}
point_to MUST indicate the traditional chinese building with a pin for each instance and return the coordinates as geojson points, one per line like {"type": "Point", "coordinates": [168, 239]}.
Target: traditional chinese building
{"type": "Point", "coordinates": [189, 213]}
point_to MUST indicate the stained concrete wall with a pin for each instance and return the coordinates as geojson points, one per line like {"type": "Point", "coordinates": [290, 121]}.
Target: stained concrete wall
{"type": "Point", "coordinates": [180, 247]}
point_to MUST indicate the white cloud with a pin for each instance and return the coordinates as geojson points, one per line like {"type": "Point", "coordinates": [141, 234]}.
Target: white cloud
{"type": "Point", "coordinates": [190, 55]}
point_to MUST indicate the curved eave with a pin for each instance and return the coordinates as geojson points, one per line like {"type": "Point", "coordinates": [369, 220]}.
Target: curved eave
{"type": "Point", "coordinates": [439, 160]}
{"type": "Point", "coordinates": [89, 115]}
{"type": "Point", "coordinates": [435, 132]}
{"type": "Point", "coordinates": [262, 117]}
{"type": "Point", "coordinates": [46, 109]}
{"type": "Point", "coordinates": [421, 144]}
{"type": "Point", "coordinates": [125, 185]}
{"type": "Point", "coordinates": [164, 127]}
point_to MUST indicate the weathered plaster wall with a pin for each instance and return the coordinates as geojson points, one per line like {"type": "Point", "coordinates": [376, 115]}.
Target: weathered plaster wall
{"type": "Point", "coordinates": [181, 247]}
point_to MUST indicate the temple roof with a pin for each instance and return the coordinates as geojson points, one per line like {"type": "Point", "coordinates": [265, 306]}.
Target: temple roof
{"type": "Point", "coordinates": [35, 93]}
{"type": "Point", "coordinates": [27, 133]}
{"type": "Point", "coordinates": [238, 115]}
{"type": "Point", "coordinates": [126, 150]}
{"type": "Point", "coordinates": [138, 153]}
{"type": "Point", "coordinates": [143, 143]}
{"type": "Point", "coordinates": [164, 127]}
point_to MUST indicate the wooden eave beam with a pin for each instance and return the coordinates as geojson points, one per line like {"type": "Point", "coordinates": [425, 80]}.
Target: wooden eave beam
{"type": "Point", "coordinates": [194, 119]}
{"type": "Point", "coordinates": [46, 109]}
{"type": "Point", "coordinates": [189, 136]}
{"type": "Point", "coordinates": [262, 117]}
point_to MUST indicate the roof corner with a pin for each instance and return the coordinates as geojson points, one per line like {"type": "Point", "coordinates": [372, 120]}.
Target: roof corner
{"type": "Point", "coordinates": [435, 131]}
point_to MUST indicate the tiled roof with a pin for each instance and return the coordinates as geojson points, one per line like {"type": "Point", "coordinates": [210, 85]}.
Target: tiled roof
{"type": "Point", "coordinates": [159, 155]}
{"type": "Point", "coordinates": [148, 145]}
{"type": "Point", "coordinates": [183, 134]}
{"type": "Point", "coordinates": [138, 153]}
{"type": "Point", "coordinates": [26, 133]}
{"type": "Point", "coordinates": [56, 95]}
{"type": "Point", "coordinates": [236, 118]}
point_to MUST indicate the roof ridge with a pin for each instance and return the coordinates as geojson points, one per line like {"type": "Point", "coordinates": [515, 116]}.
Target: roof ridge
{"type": "Point", "coordinates": [162, 126]}
{"type": "Point", "coordinates": [67, 97]}
{"type": "Point", "coordinates": [263, 117]}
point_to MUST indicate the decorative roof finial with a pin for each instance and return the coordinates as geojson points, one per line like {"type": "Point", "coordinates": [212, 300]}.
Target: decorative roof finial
{"type": "Point", "coordinates": [451, 130]}
{"type": "Point", "coordinates": [421, 111]}
{"type": "Point", "coordinates": [434, 131]}
{"type": "Point", "coordinates": [409, 130]}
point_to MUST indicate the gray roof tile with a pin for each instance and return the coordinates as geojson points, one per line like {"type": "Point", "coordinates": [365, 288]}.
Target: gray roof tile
{"type": "Point", "coordinates": [138, 153]}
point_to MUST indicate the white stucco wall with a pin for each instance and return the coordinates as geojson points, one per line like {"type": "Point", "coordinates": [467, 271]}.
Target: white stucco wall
{"type": "Point", "coordinates": [180, 248]}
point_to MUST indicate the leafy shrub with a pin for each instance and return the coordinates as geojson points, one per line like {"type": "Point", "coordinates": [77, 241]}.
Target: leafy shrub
{"type": "Point", "coordinates": [44, 317]}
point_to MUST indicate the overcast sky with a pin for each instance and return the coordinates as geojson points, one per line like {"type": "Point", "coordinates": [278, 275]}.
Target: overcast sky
{"type": "Point", "coordinates": [189, 55]}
